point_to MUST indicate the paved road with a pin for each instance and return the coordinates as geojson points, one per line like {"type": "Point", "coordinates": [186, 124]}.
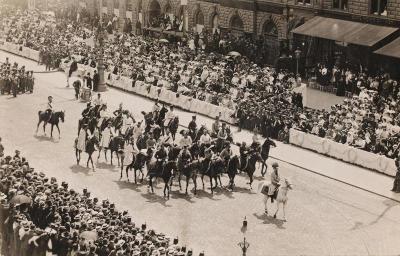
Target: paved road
{"type": "Point", "coordinates": [324, 217]}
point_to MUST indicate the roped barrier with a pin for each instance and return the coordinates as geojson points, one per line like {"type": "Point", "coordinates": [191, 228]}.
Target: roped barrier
{"type": "Point", "coordinates": [343, 152]}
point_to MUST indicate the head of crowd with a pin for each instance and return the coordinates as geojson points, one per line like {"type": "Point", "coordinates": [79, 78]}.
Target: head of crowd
{"type": "Point", "coordinates": [42, 215]}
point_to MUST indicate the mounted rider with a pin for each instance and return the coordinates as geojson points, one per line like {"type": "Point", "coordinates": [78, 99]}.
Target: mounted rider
{"type": "Point", "coordinates": [193, 128]}
{"type": "Point", "coordinates": [184, 157]}
{"type": "Point", "coordinates": [49, 108]}
{"type": "Point", "coordinates": [161, 156]}
{"type": "Point", "coordinates": [275, 179]}
{"type": "Point", "coordinates": [226, 153]}
{"type": "Point", "coordinates": [169, 116]}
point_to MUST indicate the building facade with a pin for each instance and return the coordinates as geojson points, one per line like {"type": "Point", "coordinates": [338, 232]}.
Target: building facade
{"type": "Point", "coordinates": [271, 20]}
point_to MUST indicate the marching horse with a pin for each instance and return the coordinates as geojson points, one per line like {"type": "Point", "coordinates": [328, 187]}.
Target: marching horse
{"type": "Point", "coordinates": [213, 170]}
{"type": "Point", "coordinates": [173, 126]}
{"type": "Point", "coordinates": [164, 171]}
{"type": "Point", "coordinates": [91, 144]}
{"type": "Point", "coordinates": [250, 166]}
{"type": "Point", "coordinates": [280, 196]}
{"type": "Point", "coordinates": [232, 168]}
{"type": "Point", "coordinates": [189, 170]}
{"type": "Point", "coordinates": [54, 120]}
{"type": "Point", "coordinates": [265, 153]}
{"type": "Point", "coordinates": [137, 164]}
{"type": "Point", "coordinates": [117, 146]}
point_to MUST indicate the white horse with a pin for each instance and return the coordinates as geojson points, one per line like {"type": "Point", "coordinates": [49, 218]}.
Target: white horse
{"type": "Point", "coordinates": [281, 197]}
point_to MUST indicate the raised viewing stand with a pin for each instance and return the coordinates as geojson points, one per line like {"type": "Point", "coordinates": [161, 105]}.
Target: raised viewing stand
{"type": "Point", "coordinates": [323, 146]}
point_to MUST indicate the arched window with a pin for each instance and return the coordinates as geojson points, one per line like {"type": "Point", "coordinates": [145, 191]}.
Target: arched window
{"type": "Point", "coordinates": [215, 22]}
{"type": "Point", "coordinates": [154, 10]}
{"type": "Point", "coordinates": [200, 18]}
{"type": "Point", "coordinates": [168, 9]}
{"type": "Point", "coordinates": [270, 29]}
{"type": "Point", "coordinates": [236, 23]}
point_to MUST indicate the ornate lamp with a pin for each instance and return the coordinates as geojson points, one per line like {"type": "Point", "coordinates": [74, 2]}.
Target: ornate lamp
{"type": "Point", "coordinates": [100, 37]}
{"type": "Point", "coordinates": [244, 245]}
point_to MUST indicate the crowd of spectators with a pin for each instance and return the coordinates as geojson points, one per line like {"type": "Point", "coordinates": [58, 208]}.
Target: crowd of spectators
{"type": "Point", "coordinates": [40, 216]}
{"type": "Point", "coordinates": [262, 97]}
{"type": "Point", "coordinates": [15, 79]}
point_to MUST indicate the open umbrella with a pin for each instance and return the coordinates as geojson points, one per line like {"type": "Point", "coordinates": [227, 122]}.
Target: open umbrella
{"type": "Point", "coordinates": [163, 40]}
{"type": "Point", "coordinates": [89, 235]}
{"type": "Point", "coordinates": [21, 199]}
{"type": "Point", "coordinates": [235, 54]}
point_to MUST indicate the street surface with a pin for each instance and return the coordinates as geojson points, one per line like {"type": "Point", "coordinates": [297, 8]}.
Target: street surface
{"type": "Point", "coordinates": [325, 217]}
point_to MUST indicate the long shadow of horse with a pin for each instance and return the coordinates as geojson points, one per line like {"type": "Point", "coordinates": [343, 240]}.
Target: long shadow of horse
{"type": "Point", "coordinates": [243, 190]}
{"type": "Point", "coordinates": [176, 194]}
{"type": "Point", "coordinates": [81, 169]}
{"type": "Point", "coordinates": [128, 185]}
{"type": "Point", "coordinates": [154, 198]}
{"type": "Point", "coordinates": [204, 194]}
{"type": "Point", "coordinates": [270, 220]}
{"type": "Point", "coordinates": [107, 166]}
{"type": "Point", "coordinates": [41, 138]}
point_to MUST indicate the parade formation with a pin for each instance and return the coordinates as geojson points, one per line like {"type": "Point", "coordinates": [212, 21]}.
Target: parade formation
{"type": "Point", "coordinates": [189, 157]}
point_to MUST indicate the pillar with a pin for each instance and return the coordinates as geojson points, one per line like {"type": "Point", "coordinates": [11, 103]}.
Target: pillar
{"type": "Point", "coordinates": [110, 7]}
{"type": "Point", "coordinates": [122, 14]}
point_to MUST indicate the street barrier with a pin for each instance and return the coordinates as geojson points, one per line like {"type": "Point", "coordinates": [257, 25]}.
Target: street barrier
{"type": "Point", "coordinates": [343, 152]}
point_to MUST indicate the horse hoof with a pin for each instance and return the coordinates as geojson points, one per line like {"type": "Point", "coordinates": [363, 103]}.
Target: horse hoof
{"type": "Point", "coordinates": [274, 216]}
{"type": "Point", "coordinates": [266, 212]}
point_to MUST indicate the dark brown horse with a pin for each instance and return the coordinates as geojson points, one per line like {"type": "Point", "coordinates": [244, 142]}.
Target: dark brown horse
{"type": "Point", "coordinates": [233, 166]}
{"type": "Point", "coordinates": [250, 166]}
{"type": "Point", "coordinates": [163, 171]}
{"type": "Point", "coordinates": [54, 121]}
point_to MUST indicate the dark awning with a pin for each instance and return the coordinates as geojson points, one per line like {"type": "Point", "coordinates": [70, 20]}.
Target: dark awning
{"type": "Point", "coordinates": [391, 49]}
{"type": "Point", "coordinates": [344, 31]}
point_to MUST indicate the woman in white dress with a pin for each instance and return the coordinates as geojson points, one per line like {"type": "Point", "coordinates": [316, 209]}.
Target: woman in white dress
{"type": "Point", "coordinates": [105, 140]}
{"type": "Point", "coordinates": [80, 144]}
{"type": "Point", "coordinates": [130, 150]}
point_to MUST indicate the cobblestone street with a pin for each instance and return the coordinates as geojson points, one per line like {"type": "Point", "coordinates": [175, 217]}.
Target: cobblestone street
{"type": "Point", "coordinates": [325, 217]}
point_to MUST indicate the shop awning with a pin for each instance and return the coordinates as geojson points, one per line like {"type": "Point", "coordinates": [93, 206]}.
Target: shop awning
{"type": "Point", "coordinates": [391, 49]}
{"type": "Point", "coordinates": [344, 31]}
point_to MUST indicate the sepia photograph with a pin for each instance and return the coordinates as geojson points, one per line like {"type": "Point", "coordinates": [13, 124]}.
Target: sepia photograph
{"type": "Point", "coordinates": [199, 127]}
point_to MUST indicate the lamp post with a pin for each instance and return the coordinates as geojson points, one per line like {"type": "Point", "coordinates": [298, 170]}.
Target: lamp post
{"type": "Point", "coordinates": [297, 54]}
{"type": "Point", "coordinates": [244, 245]}
{"type": "Point", "coordinates": [100, 62]}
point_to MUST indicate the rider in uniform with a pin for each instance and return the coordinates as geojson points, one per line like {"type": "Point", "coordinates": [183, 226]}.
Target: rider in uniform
{"type": "Point", "coordinates": [215, 127]}
{"type": "Point", "coordinates": [243, 150]}
{"type": "Point", "coordinates": [49, 108]}
{"type": "Point", "coordinates": [161, 156]}
{"type": "Point", "coordinates": [275, 179]}
{"type": "Point", "coordinates": [184, 157]}
{"type": "Point", "coordinates": [226, 153]}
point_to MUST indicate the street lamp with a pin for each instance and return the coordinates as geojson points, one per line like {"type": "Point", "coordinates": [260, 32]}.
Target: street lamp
{"type": "Point", "coordinates": [244, 245]}
{"type": "Point", "coordinates": [297, 54]}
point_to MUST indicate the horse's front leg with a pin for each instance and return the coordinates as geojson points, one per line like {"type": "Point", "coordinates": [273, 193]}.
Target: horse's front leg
{"type": "Point", "coordinates": [37, 127]}
{"type": "Point", "coordinates": [202, 180]}
{"type": "Point", "coordinates": [277, 209]}
{"type": "Point", "coordinates": [59, 134]}
{"type": "Point", "coordinates": [195, 183]}
{"type": "Point", "coordinates": [151, 184]}
{"type": "Point", "coordinates": [284, 212]}
{"type": "Point", "coordinates": [211, 185]}
{"type": "Point", "coordinates": [187, 184]}
{"type": "Point", "coordinates": [44, 128]}
{"type": "Point", "coordinates": [179, 181]}
{"type": "Point", "coordinates": [265, 204]}
{"type": "Point", "coordinates": [111, 157]}
{"type": "Point", "coordinates": [98, 157]}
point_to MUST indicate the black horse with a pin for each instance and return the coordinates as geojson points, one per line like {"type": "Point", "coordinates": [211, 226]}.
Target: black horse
{"type": "Point", "coordinates": [173, 126]}
{"type": "Point", "coordinates": [91, 144]}
{"type": "Point", "coordinates": [250, 166]}
{"type": "Point", "coordinates": [117, 146]}
{"type": "Point", "coordinates": [233, 166]}
{"type": "Point", "coordinates": [137, 164]}
{"type": "Point", "coordinates": [54, 120]}
{"type": "Point", "coordinates": [265, 153]}
{"type": "Point", "coordinates": [163, 171]}
{"type": "Point", "coordinates": [213, 169]}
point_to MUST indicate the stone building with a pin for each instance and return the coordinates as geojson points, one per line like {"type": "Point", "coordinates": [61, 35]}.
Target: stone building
{"type": "Point", "coordinates": [272, 20]}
